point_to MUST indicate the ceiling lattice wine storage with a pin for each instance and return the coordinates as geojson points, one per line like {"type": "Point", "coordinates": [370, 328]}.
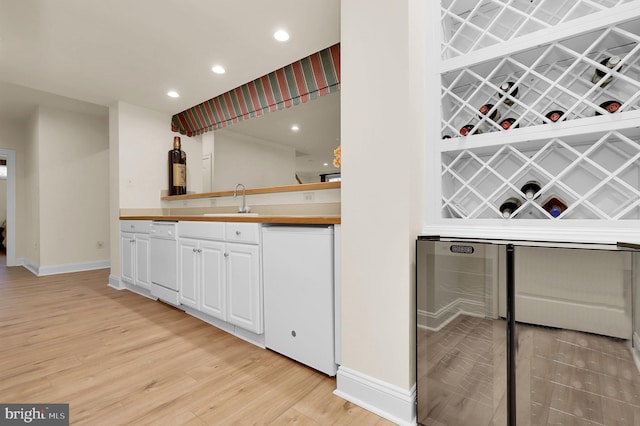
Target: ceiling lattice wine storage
{"type": "Point", "coordinates": [540, 112]}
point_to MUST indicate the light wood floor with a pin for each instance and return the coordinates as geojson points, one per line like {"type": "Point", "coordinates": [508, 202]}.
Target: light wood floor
{"type": "Point", "coordinates": [121, 359]}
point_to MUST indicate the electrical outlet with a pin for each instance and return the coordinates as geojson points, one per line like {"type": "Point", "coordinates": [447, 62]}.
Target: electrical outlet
{"type": "Point", "coordinates": [308, 196]}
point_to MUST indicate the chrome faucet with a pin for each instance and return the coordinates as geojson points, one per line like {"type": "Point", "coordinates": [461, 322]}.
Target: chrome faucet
{"type": "Point", "coordinates": [244, 208]}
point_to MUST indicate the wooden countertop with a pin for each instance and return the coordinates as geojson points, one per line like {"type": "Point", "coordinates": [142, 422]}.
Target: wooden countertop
{"type": "Point", "coordinates": [292, 219]}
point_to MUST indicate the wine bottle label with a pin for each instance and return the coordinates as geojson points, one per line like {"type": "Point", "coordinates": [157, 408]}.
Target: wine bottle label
{"type": "Point", "coordinates": [179, 175]}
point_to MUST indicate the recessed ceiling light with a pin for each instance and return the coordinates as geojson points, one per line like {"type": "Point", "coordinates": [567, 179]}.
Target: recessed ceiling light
{"type": "Point", "coordinates": [281, 35]}
{"type": "Point", "coordinates": [218, 69]}
{"type": "Point", "coordinates": [173, 94]}
{"type": "Point", "coordinates": [325, 164]}
{"type": "Point", "coordinates": [295, 128]}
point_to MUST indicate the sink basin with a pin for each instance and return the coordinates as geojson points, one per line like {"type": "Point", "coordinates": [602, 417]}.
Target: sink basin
{"type": "Point", "coordinates": [230, 214]}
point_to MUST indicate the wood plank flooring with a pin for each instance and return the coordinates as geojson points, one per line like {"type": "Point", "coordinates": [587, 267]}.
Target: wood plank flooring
{"type": "Point", "coordinates": [121, 359]}
{"type": "Point", "coordinates": [564, 377]}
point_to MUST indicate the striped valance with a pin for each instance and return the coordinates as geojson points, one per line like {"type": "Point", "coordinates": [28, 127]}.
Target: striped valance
{"type": "Point", "coordinates": [308, 78]}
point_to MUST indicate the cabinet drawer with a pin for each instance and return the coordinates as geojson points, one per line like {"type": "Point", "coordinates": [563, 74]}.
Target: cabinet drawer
{"type": "Point", "coordinates": [202, 230]}
{"type": "Point", "coordinates": [135, 226]}
{"type": "Point", "coordinates": [243, 232]}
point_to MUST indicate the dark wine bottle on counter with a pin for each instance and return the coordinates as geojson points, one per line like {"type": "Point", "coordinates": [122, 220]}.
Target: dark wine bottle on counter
{"type": "Point", "coordinates": [510, 205]}
{"type": "Point", "coordinates": [554, 206]}
{"type": "Point", "coordinates": [530, 189]}
{"type": "Point", "coordinates": [609, 106]}
{"type": "Point", "coordinates": [507, 123]}
{"type": "Point", "coordinates": [554, 115]}
{"type": "Point", "coordinates": [610, 63]}
{"type": "Point", "coordinates": [466, 129]}
{"type": "Point", "coordinates": [504, 88]}
{"type": "Point", "coordinates": [177, 169]}
{"type": "Point", "coordinates": [484, 109]}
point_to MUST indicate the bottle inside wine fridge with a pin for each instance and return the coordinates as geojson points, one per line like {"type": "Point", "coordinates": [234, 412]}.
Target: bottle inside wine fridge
{"type": "Point", "coordinates": [505, 88]}
{"type": "Point", "coordinates": [177, 169]}
{"type": "Point", "coordinates": [530, 189]}
{"type": "Point", "coordinates": [509, 206]}
{"type": "Point", "coordinates": [554, 205]}
{"type": "Point", "coordinates": [610, 63]}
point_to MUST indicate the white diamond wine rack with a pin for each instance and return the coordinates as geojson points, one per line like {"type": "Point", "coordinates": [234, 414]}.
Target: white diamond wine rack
{"type": "Point", "coordinates": [555, 77]}
{"type": "Point", "coordinates": [598, 177]}
{"type": "Point", "coordinates": [470, 25]}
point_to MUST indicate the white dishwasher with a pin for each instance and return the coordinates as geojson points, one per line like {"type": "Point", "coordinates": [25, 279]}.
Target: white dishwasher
{"type": "Point", "coordinates": [164, 261]}
{"type": "Point", "coordinates": [299, 293]}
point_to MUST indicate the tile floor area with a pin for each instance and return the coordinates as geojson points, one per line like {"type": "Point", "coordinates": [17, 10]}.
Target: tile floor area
{"type": "Point", "coordinates": [564, 377]}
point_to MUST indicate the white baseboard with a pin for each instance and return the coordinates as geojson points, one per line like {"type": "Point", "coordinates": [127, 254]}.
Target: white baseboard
{"type": "Point", "coordinates": [63, 269]}
{"type": "Point", "coordinates": [114, 282]}
{"type": "Point", "coordinates": [389, 401]}
{"type": "Point", "coordinates": [635, 350]}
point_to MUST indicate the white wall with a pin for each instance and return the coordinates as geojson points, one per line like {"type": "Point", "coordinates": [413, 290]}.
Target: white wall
{"type": "Point", "coordinates": [252, 162]}
{"type": "Point", "coordinates": [31, 195]}
{"type": "Point", "coordinates": [144, 138]}
{"type": "Point", "coordinates": [73, 152]}
{"type": "Point", "coordinates": [382, 98]}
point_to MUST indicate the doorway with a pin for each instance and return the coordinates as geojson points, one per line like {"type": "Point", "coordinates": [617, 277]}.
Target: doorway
{"type": "Point", "coordinates": [9, 156]}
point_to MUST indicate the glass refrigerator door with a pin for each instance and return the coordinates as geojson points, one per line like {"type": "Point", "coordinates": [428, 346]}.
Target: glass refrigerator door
{"type": "Point", "coordinates": [527, 334]}
{"type": "Point", "coordinates": [461, 340]}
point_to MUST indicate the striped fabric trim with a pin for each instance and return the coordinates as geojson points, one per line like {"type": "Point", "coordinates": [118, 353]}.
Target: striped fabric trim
{"type": "Point", "coordinates": [311, 77]}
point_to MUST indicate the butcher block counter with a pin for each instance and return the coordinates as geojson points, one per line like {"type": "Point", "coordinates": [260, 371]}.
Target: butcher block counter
{"type": "Point", "coordinates": [240, 217]}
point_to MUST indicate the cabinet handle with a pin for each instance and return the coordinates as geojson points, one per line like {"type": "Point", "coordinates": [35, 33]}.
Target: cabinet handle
{"type": "Point", "coordinates": [238, 232]}
{"type": "Point", "coordinates": [226, 254]}
{"type": "Point", "coordinates": [199, 250]}
{"type": "Point", "coordinates": [195, 250]}
{"type": "Point", "coordinates": [132, 241]}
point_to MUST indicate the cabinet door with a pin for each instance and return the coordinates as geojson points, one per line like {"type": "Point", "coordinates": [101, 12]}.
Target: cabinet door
{"type": "Point", "coordinates": [213, 279]}
{"type": "Point", "coordinates": [127, 241]}
{"type": "Point", "coordinates": [142, 261]}
{"type": "Point", "coordinates": [188, 271]}
{"type": "Point", "coordinates": [244, 292]}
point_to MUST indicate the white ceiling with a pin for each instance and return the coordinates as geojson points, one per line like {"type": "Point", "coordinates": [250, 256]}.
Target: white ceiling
{"type": "Point", "coordinates": [67, 53]}
{"type": "Point", "coordinates": [102, 51]}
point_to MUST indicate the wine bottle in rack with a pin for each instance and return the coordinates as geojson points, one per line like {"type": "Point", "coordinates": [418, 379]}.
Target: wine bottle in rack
{"type": "Point", "coordinates": [530, 189]}
{"type": "Point", "coordinates": [484, 109]}
{"type": "Point", "coordinates": [610, 62]}
{"type": "Point", "coordinates": [610, 106]}
{"type": "Point", "coordinates": [466, 129]}
{"type": "Point", "coordinates": [177, 169]}
{"type": "Point", "coordinates": [554, 205]}
{"type": "Point", "coordinates": [510, 205]}
{"type": "Point", "coordinates": [507, 123]}
{"type": "Point", "coordinates": [554, 115]}
{"type": "Point", "coordinates": [504, 88]}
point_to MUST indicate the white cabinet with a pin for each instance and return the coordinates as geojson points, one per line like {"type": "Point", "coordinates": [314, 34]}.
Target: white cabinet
{"type": "Point", "coordinates": [134, 247]}
{"type": "Point", "coordinates": [202, 276]}
{"type": "Point", "coordinates": [220, 271]}
{"type": "Point", "coordinates": [244, 292]}
{"type": "Point", "coordinates": [589, 158]}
